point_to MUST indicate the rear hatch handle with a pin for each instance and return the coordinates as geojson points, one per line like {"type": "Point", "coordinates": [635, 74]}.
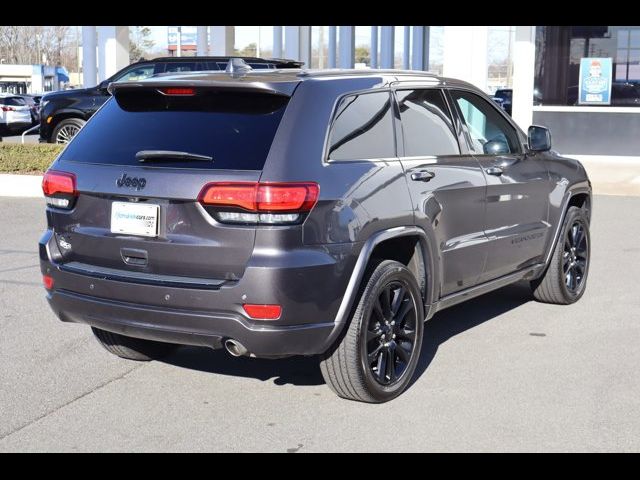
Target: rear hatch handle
{"type": "Point", "coordinates": [134, 256]}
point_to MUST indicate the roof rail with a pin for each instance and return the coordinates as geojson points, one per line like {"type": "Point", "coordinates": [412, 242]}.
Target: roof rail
{"type": "Point", "coordinates": [374, 71]}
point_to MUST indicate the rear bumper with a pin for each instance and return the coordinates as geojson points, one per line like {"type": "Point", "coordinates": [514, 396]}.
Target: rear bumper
{"type": "Point", "coordinates": [309, 286]}
{"type": "Point", "coordinates": [189, 328]}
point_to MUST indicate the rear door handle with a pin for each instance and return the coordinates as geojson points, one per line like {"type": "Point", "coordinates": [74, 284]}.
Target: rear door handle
{"type": "Point", "coordinates": [497, 171]}
{"type": "Point", "coordinates": [422, 176]}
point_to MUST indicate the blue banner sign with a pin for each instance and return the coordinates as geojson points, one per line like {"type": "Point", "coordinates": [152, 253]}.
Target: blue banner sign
{"type": "Point", "coordinates": [595, 81]}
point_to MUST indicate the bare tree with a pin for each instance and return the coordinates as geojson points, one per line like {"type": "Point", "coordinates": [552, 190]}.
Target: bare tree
{"type": "Point", "coordinates": [52, 45]}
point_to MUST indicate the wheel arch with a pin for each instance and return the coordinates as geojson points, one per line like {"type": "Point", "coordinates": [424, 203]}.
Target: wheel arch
{"type": "Point", "coordinates": [578, 195]}
{"type": "Point", "coordinates": [410, 245]}
{"type": "Point", "coordinates": [64, 115]}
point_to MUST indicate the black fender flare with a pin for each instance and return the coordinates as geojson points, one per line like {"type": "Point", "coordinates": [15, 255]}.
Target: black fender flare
{"type": "Point", "coordinates": [573, 190]}
{"type": "Point", "coordinates": [431, 268]}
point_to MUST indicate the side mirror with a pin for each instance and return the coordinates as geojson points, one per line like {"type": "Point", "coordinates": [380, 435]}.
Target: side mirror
{"type": "Point", "coordinates": [539, 138]}
{"type": "Point", "coordinates": [496, 147]}
{"type": "Point", "coordinates": [102, 86]}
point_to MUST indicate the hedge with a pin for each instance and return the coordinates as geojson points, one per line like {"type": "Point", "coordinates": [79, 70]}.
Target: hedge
{"type": "Point", "coordinates": [27, 158]}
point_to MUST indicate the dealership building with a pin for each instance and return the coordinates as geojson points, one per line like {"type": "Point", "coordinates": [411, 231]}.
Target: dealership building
{"type": "Point", "coordinates": [21, 79]}
{"type": "Point", "coordinates": [583, 82]}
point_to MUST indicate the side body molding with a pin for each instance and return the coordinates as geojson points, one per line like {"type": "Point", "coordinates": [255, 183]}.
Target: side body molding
{"type": "Point", "coordinates": [431, 266]}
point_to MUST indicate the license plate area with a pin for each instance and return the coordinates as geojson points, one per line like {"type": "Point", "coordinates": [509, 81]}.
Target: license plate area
{"type": "Point", "coordinates": [130, 218]}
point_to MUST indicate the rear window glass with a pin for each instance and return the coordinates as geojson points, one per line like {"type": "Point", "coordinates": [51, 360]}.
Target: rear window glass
{"type": "Point", "coordinates": [12, 101]}
{"type": "Point", "coordinates": [363, 128]}
{"type": "Point", "coordinates": [235, 128]}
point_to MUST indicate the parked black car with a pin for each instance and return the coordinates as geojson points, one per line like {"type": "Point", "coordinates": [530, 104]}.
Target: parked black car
{"type": "Point", "coordinates": [63, 113]}
{"type": "Point", "coordinates": [324, 213]}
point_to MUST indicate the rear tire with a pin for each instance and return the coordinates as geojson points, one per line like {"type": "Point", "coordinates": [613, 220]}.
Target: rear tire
{"type": "Point", "coordinates": [565, 280]}
{"type": "Point", "coordinates": [132, 348]}
{"type": "Point", "coordinates": [66, 130]}
{"type": "Point", "coordinates": [376, 358]}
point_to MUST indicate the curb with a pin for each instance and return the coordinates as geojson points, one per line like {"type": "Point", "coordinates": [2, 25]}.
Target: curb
{"type": "Point", "coordinates": [12, 185]}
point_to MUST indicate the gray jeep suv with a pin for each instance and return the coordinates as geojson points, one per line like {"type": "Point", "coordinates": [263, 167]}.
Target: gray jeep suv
{"type": "Point", "coordinates": [293, 212]}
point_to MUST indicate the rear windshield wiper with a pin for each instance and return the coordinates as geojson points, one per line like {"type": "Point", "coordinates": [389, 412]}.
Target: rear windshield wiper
{"type": "Point", "coordinates": [146, 155]}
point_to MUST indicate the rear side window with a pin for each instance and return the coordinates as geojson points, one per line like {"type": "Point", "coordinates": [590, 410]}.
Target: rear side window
{"type": "Point", "coordinates": [234, 128]}
{"type": "Point", "coordinates": [427, 127]}
{"type": "Point", "coordinates": [363, 128]}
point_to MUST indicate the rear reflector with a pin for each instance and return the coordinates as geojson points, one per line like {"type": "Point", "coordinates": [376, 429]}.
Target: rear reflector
{"type": "Point", "coordinates": [263, 312]}
{"type": "Point", "coordinates": [8, 109]}
{"type": "Point", "coordinates": [178, 91]}
{"type": "Point", "coordinates": [48, 282]}
{"type": "Point", "coordinates": [262, 197]}
{"type": "Point", "coordinates": [55, 182]}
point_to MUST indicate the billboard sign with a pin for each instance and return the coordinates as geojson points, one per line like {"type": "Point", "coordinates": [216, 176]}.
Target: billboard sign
{"type": "Point", "coordinates": [189, 36]}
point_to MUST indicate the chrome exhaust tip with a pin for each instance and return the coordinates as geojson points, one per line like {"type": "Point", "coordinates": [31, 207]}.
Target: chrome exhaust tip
{"type": "Point", "coordinates": [235, 348]}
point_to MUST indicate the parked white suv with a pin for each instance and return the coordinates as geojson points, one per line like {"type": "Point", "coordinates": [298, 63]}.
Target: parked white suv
{"type": "Point", "coordinates": [15, 114]}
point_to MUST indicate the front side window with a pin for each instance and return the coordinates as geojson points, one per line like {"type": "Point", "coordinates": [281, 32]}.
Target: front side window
{"type": "Point", "coordinates": [363, 128]}
{"type": "Point", "coordinates": [490, 133]}
{"type": "Point", "coordinates": [138, 73]}
{"type": "Point", "coordinates": [426, 124]}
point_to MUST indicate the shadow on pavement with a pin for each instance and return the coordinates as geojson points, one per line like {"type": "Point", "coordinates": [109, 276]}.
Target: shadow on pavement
{"type": "Point", "coordinates": [292, 370]}
{"type": "Point", "coordinates": [465, 316]}
{"type": "Point", "coordinates": [305, 370]}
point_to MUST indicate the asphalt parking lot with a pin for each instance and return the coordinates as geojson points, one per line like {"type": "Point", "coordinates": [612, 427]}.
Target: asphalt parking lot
{"type": "Point", "coordinates": [499, 373]}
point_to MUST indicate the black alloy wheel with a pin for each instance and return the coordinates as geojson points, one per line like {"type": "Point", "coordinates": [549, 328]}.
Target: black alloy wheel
{"type": "Point", "coordinates": [575, 256]}
{"type": "Point", "coordinates": [391, 334]}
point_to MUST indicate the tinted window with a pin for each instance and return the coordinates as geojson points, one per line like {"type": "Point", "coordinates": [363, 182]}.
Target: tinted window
{"type": "Point", "coordinates": [137, 73]}
{"type": "Point", "coordinates": [362, 128]}
{"type": "Point", "coordinates": [236, 129]}
{"type": "Point", "coordinates": [490, 132]}
{"type": "Point", "coordinates": [182, 67]}
{"type": "Point", "coordinates": [12, 101]}
{"type": "Point", "coordinates": [426, 124]}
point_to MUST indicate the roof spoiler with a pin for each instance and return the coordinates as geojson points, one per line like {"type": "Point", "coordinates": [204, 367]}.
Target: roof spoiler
{"type": "Point", "coordinates": [151, 83]}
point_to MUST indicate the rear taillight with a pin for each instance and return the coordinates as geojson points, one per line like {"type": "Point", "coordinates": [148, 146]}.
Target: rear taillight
{"type": "Point", "coordinates": [8, 109]}
{"type": "Point", "coordinates": [59, 189]}
{"type": "Point", "coordinates": [265, 203]}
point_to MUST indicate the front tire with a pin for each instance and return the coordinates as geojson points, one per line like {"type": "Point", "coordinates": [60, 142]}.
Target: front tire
{"type": "Point", "coordinates": [565, 280]}
{"type": "Point", "coordinates": [66, 130]}
{"type": "Point", "coordinates": [376, 358]}
{"type": "Point", "coordinates": [132, 348]}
